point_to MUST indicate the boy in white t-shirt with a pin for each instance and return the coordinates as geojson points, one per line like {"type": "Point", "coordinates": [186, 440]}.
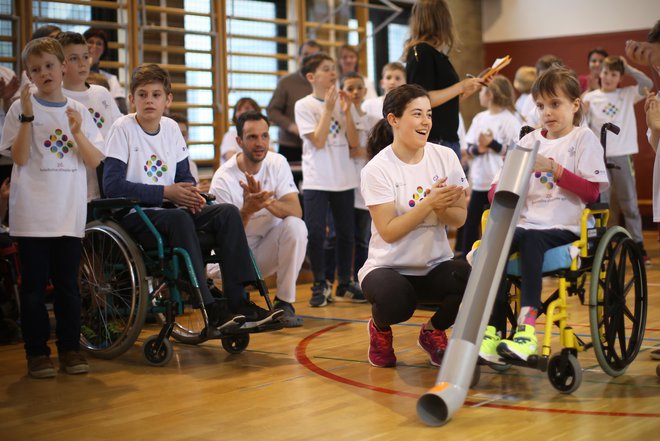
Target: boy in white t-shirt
{"type": "Point", "coordinates": [329, 177]}
{"type": "Point", "coordinates": [96, 99]}
{"type": "Point", "coordinates": [147, 159]}
{"type": "Point", "coordinates": [52, 140]}
{"type": "Point", "coordinates": [611, 104]}
{"type": "Point", "coordinates": [394, 75]}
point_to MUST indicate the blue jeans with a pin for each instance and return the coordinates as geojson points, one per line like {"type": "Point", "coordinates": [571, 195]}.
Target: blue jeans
{"type": "Point", "coordinates": [316, 210]}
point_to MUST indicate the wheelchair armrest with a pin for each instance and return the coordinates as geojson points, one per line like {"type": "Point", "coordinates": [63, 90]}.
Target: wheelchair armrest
{"type": "Point", "coordinates": [598, 206]}
{"type": "Point", "coordinates": [113, 203]}
{"type": "Point", "coordinates": [208, 197]}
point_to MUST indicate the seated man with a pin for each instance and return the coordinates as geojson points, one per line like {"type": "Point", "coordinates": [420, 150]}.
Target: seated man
{"type": "Point", "coordinates": [260, 184]}
{"type": "Point", "coordinates": [147, 159]}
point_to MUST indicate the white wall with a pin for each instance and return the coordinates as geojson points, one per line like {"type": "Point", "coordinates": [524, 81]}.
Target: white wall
{"type": "Point", "coordinates": [507, 20]}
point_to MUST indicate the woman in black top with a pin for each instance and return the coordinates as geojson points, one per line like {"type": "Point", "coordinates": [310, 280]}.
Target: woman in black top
{"type": "Point", "coordinates": [432, 36]}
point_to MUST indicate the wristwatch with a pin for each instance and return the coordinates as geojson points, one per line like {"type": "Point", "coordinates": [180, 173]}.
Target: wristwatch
{"type": "Point", "coordinates": [25, 119]}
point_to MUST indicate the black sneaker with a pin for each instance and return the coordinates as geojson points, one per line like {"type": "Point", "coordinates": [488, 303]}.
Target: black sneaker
{"type": "Point", "coordinates": [256, 315]}
{"type": "Point", "coordinates": [221, 319]}
{"type": "Point", "coordinates": [289, 318]}
{"type": "Point", "coordinates": [349, 292]}
{"type": "Point", "coordinates": [321, 294]}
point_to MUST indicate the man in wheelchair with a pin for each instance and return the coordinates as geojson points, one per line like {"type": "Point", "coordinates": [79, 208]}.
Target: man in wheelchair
{"type": "Point", "coordinates": [147, 159]}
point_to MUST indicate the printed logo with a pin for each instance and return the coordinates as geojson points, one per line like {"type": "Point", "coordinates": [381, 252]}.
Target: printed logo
{"type": "Point", "coordinates": [418, 196]}
{"type": "Point", "coordinates": [335, 127]}
{"type": "Point", "coordinates": [610, 110]}
{"type": "Point", "coordinates": [98, 118]}
{"type": "Point", "coordinates": [155, 168]}
{"type": "Point", "coordinates": [59, 144]}
{"type": "Point", "coordinates": [545, 178]}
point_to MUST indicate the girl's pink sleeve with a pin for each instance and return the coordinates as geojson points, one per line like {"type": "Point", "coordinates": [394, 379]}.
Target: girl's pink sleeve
{"type": "Point", "coordinates": [587, 191]}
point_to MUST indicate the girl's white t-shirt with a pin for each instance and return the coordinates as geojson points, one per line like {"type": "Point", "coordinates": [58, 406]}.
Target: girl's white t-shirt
{"type": "Point", "coordinates": [329, 168]}
{"type": "Point", "coordinates": [386, 179]}
{"type": "Point", "coordinates": [549, 206]}
{"type": "Point", "coordinates": [48, 195]}
{"type": "Point", "coordinates": [150, 159]}
{"type": "Point", "coordinates": [505, 128]}
{"type": "Point", "coordinates": [363, 124]}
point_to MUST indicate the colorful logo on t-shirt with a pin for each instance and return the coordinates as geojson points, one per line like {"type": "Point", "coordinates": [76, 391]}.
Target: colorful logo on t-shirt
{"type": "Point", "coordinates": [418, 196]}
{"type": "Point", "coordinates": [59, 143]}
{"type": "Point", "coordinates": [546, 178]}
{"type": "Point", "coordinates": [98, 118]}
{"type": "Point", "coordinates": [335, 127]}
{"type": "Point", "coordinates": [155, 168]}
{"type": "Point", "coordinates": [610, 110]}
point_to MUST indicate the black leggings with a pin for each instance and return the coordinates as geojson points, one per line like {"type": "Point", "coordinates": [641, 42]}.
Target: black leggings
{"type": "Point", "coordinates": [394, 296]}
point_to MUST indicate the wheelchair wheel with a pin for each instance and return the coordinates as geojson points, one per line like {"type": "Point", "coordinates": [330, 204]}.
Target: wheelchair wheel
{"type": "Point", "coordinates": [236, 344]}
{"type": "Point", "coordinates": [157, 354]}
{"type": "Point", "coordinates": [189, 325]}
{"type": "Point", "coordinates": [618, 300]}
{"type": "Point", "coordinates": [113, 290]}
{"type": "Point", "coordinates": [564, 373]}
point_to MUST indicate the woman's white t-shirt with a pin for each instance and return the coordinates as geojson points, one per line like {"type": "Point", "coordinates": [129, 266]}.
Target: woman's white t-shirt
{"type": "Point", "coordinates": [549, 206]}
{"type": "Point", "coordinates": [386, 179]}
{"type": "Point", "coordinates": [504, 127]}
{"type": "Point", "coordinates": [229, 144]}
{"type": "Point", "coordinates": [48, 195]}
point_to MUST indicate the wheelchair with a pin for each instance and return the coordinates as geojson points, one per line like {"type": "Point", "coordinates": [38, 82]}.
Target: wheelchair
{"type": "Point", "coordinates": [605, 269]}
{"type": "Point", "coordinates": [122, 283]}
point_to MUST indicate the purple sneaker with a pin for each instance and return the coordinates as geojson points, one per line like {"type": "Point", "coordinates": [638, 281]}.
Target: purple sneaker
{"type": "Point", "coordinates": [381, 353]}
{"type": "Point", "coordinates": [434, 343]}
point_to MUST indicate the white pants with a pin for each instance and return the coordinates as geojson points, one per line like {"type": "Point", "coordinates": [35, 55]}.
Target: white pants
{"type": "Point", "coordinates": [282, 251]}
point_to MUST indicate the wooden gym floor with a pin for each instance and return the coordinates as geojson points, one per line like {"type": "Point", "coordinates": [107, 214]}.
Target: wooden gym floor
{"type": "Point", "coordinates": [314, 383]}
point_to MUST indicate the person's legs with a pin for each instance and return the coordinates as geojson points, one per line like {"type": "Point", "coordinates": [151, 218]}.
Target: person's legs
{"type": "Point", "coordinates": [330, 249]}
{"type": "Point", "coordinates": [362, 237]}
{"type": "Point", "coordinates": [316, 210]}
{"type": "Point", "coordinates": [341, 203]}
{"type": "Point", "coordinates": [478, 202]}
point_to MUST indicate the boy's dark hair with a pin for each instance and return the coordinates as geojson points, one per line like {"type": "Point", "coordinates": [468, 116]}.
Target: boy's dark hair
{"type": "Point", "coordinates": [150, 73]}
{"type": "Point", "coordinates": [249, 116]}
{"type": "Point", "coordinates": [312, 62]}
{"type": "Point", "coordinates": [241, 101]}
{"type": "Point", "coordinates": [45, 31]}
{"type": "Point", "coordinates": [69, 38]}
{"type": "Point", "coordinates": [546, 62]}
{"type": "Point", "coordinates": [395, 65]}
{"type": "Point", "coordinates": [597, 50]}
{"type": "Point", "coordinates": [309, 43]}
{"type": "Point", "coordinates": [348, 76]}
{"type": "Point", "coordinates": [98, 33]}
{"type": "Point", "coordinates": [43, 45]}
{"type": "Point", "coordinates": [614, 63]}
{"type": "Point", "coordinates": [179, 118]}
{"type": "Point", "coordinates": [654, 34]}
{"type": "Point", "coordinates": [556, 80]}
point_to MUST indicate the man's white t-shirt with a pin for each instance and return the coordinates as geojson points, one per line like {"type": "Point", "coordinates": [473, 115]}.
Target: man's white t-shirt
{"type": "Point", "coordinates": [386, 179]}
{"type": "Point", "coordinates": [48, 195]}
{"type": "Point", "coordinates": [505, 128]}
{"type": "Point", "coordinates": [618, 108]}
{"type": "Point", "coordinates": [329, 168]}
{"type": "Point", "coordinates": [275, 175]}
{"type": "Point", "coordinates": [549, 206]}
{"type": "Point", "coordinates": [150, 159]}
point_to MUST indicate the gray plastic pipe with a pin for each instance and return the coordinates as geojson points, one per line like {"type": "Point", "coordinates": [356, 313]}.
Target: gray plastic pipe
{"type": "Point", "coordinates": [437, 406]}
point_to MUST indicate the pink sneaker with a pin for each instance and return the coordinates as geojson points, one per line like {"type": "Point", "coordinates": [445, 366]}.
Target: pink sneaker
{"type": "Point", "coordinates": [381, 353]}
{"type": "Point", "coordinates": [434, 343]}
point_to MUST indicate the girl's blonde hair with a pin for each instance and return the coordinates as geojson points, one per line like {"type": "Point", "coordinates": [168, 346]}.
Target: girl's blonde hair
{"type": "Point", "coordinates": [556, 80]}
{"type": "Point", "coordinates": [502, 90]}
{"type": "Point", "coordinates": [431, 22]}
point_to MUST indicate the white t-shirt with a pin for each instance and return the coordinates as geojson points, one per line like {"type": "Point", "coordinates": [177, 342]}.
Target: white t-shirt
{"type": "Point", "coordinates": [48, 195]}
{"type": "Point", "coordinates": [549, 206]}
{"type": "Point", "coordinates": [275, 175]}
{"type": "Point", "coordinates": [229, 144]}
{"type": "Point", "coordinates": [520, 102]}
{"type": "Point", "coordinates": [656, 180]}
{"type": "Point", "coordinates": [529, 112]}
{"type": "Point", "coordinates": [329, 168]}
{"type": "Point", "coordinates": [363, 124]}
{"type": "Point", "coordinates": [505, 128]}
{"type": "Point", "coordinates": [150, 159]}
{"type": "Point", "coordinates": [115, 87]}
{"type": "Point", "coordinates": [7, 75]}
{"type": "Point", "coordinates": [374, 106]}
{"type": "Point", "coordinates": [615, 107]}
{"type": "Point", "coordinates": [386, 179]}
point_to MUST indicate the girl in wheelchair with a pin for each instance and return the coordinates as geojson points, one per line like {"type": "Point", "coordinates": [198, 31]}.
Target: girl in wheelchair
{"type": "Point", "coordinates": [568, 174]}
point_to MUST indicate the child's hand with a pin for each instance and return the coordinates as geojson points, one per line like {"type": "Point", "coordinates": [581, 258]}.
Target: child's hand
{"type": "Point", "coordinates": [75, 120]}
{"type": "Point", "coordinates": [485, 138]}
{"type": "Point", "coordinates": [345, 101]}
{"type": "Point", "coordinates": [7, 90]}
{"type": "Point", "coordinates": [4, 189]}
{"type": "Point", "coordinates": [543, 164]}
{"type": "Point", "coordinates": [185, 195]}
{"type": "Point", "coordinates": [331, 98]}
{"type": "Point", "coordinates": [26, 100]}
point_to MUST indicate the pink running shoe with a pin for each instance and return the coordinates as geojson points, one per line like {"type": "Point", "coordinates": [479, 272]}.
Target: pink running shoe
{"type": "Point", "coordinates": [381, 353]}
{"type": "Point", "coordinates": [434, 343]}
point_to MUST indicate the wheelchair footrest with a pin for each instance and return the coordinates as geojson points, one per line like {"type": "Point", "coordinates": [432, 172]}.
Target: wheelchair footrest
{"type": "Point", "coordinates": [270, 326]}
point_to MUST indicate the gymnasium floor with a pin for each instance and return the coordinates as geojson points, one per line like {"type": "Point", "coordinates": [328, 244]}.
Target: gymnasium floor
{"type": "Point", "coordinates": [314, 383]}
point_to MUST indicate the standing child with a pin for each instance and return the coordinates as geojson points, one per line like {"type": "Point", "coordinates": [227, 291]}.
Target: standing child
{"type": "Point", "coordinates": [611, 104]}
{"type": "Point", "coordinates": [97, 99]}
{"type": "Point", "coordinates": [394, 75]}
{"type": "Point", "coordinates": [569, 173]}
{"type": "Point", "coordinates": [414, 189]}
{"type": "Point", "coordinates": [489, 136]}
{"type": "Point", "coordinates": [52, 140]}
{"type": "Point", "coordinates": [329, 176]}
{"type": "Point", "coordinates": [147, 159]}
{"type": "Point", "coordinates": [522, 82]}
